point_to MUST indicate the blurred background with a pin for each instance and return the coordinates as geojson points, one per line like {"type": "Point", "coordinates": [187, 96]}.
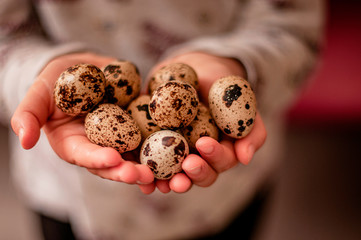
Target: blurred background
{"type": "Point", "coordinates": [317, 193]}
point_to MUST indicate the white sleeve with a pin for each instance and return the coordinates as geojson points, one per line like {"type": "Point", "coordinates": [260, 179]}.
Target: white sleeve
{"type": "Point", "coordinates": [24, 51]}
{"type": "Point", "coordinates": [277, 41]}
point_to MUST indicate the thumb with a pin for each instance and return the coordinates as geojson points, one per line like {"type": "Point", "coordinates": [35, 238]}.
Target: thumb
{"type": "Point", "coordinates": [32, 113]}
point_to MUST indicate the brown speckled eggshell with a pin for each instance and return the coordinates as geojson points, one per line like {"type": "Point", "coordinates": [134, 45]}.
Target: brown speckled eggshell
{"type": "Point", "coordinates": [122, 82]}
{"type": "Point", "coordinates": [139, 110]}
{"type": "Point", "coordinates": [233, 106]}
{"type": "Point", "coordinates": [203, 125]}
{"type": "Point", "coordinates": [111, 126]}
{"type": "Point", "coordinates": [79, 89]}
{"type": "Point", "coordinates": [174, 105]}
{"type": "Point", "coordinates": [174, 72]}
{"type": "Point", "coordinates": [163, 152]}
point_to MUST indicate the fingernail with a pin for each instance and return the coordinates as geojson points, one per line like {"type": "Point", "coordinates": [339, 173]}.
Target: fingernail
{"type": "Point", "coordinates": [195, 171]}
{"type": "Point", "coordinates": [207, 149]}
{"type": "Point", "coordinates": [250, 153]}
{"type": "Point", "coordinates": [140, 182]}
{"type": "Point", "coordinates": [21, 134]}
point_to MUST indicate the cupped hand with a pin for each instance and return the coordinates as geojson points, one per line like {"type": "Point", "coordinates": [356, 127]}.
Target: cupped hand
{"type": "Point", "coordinates": [66, 134]}
{"type": "Point", "coordinates": [215, 157]}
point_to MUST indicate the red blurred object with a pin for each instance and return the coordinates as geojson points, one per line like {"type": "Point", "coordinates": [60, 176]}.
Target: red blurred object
{"type": "Point", "coordinates": [333, 94]}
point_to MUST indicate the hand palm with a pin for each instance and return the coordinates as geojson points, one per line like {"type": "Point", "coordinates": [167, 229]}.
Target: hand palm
{"type": "Point", "coordinates": [66, 134]}
{"type": "Point", "coordinates": [215, 157]}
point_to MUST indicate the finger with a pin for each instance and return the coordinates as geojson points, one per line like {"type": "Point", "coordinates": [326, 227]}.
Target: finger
{"type": "Point", "coordinates": [198, 170]}
{"type": "Point", "coordinates": [27, 127]}
{"type": "Point", "coordinates": [147, 188]}
{"type": "Point", "coordinates": [125, 172]}
{"type": "Point", "coordinates": [31, 114]}
{"type": "Point", "coordinates": [60, 64]}
{"type": "Point", "coordinates": [95, 59]}
{"type": "Point", "coordinates": [68, 139]}
{"type": "Point", "coordinates": [246, 147]}
{"type": "Point", "coordinates": [80, 151]}
{"type": "Point", "coordinates": [220, 156]}
{"type": "Point", "coordinates": [145, 174]}
{"type": "Point", "coordinates": [163, 186]}
{"type": "Point", "coordinates": [180, 183]}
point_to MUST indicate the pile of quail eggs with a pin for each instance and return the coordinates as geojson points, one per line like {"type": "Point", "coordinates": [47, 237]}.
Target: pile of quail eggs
{"type": "Point", "coordinates": [164, 125]}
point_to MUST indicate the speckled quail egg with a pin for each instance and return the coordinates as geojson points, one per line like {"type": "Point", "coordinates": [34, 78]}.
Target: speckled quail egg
{"type": "Point", "coordinates": [174, 72]}
{"type": "Point", "coordinates": [122, 82]}
{"type": "Point", "coordinates": [203, 125]}
{"type": "Point", "coordinates": [233, 105]}
{"type": "Point", "coordinates": [174, 105]}
{"type": "Point", "coordinates": [79, 89]}
{"type": "Point", "coordinates": [110, 126]}
{"type": "Point", "coordinates": [139, 110]}
{"type": "Point", "coordinates": [163, 152]}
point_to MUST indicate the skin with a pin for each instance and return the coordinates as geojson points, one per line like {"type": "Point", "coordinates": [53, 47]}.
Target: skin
{"type": "Point", "coordinates": [67, 137]}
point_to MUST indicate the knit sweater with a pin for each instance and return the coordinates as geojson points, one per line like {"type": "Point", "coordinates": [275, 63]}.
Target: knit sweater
{"type": "Point", "coordinates": [276, 40]}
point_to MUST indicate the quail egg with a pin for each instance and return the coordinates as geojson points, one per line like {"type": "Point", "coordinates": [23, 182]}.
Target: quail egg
{"type": "Point", "coordinates": [122, 82]}
{"type": "Point", "coordinates": [139, 110]}
{"type": "Point", "coordinates": [174, 72]}
{"type": "Point", "coordinates": [233, 105]}
{"type": "Point", "coordinates": [79, 89]}
{"type": "Point", "coordinates": [174, 105]}
{"type": "Point", "coordinates": [163, 152]}
{"type": "Point", "coordinates": [111, 126]}
{"type": "Point", "coordinates": [203, 125]}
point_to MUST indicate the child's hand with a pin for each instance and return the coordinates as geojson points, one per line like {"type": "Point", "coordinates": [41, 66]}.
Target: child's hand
{"type": "Point", "coordinates": [66, 134]}
{"type": "Point", "coordinates": [216, 157]}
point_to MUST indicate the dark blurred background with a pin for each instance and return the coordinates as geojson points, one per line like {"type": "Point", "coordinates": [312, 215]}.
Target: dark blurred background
{"type": "Point", "coordinates": [318, 190]}
{"type": "Point", "coordinates": [317, 193]}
